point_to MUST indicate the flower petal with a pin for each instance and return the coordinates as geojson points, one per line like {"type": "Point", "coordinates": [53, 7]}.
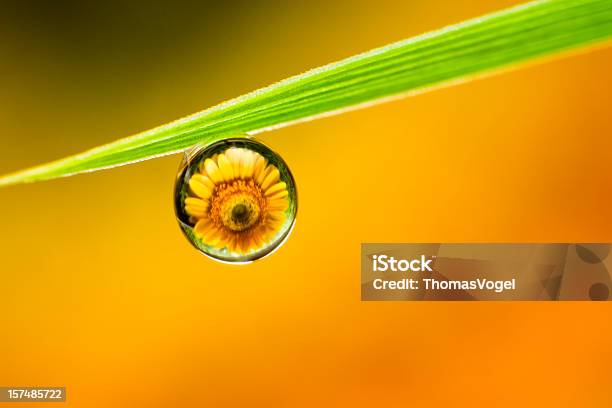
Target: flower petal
{"type": "Point", "coordinates": [200, 186]}
{"type": "Point", "coordinates": [226, 168]}
{"type": "Point", "coordinates": [279, 204]}
{"type": "Point", "coordinates": [232, 153]}
{"type": "Point", "coordinates": [235, 154]}
{"type": "Point", "coordinates": [196, 203]}
{"type": "Point", "coordinates": [277, 215]}
{"type": "Point", "coordinates": [247, 164]}
{"type": "Point", "coordinates": [231, 243]}
{"type": "Point", "coordinates": [220, 241]}
{"type": "Point", "coordinates": [242, 244]}
{"type": "Point", "coordinates": [201, 227]}
{"type": "Point", "coordinates": [212, 235]}
{"type": "Point", "coordinates": [259, 166]}
{"type": "Point", "coordinates": [207, 181]}
{"type": "Point", "coordinates": [280, 194]}
{"type": "Point", "coordinates": [263, 174]}
{"type": "Point", "coordinates": [258, 237]}
{"type": "Point", "coordinates": [275, 188]}
{"type": "Point", "coordinates": [195, 211]}
{"type": "Point", "coordinates": [272, 177]}
{"type": "Point", "coordinates": [213, 171]}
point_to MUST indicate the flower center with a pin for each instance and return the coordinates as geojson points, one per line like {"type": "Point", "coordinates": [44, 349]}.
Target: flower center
{"type": "Point", "coordinates": [237, 205]}
{"type": "Point", "coordinates": [239, 212]}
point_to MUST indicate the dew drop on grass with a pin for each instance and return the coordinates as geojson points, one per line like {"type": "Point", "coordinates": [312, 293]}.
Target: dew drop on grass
{"type": "Point", "coordinates": [235, 199]}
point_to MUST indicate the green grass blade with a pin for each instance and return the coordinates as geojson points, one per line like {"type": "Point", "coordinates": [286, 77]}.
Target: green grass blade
{"type": "Point", "coordinates": [458, 52]}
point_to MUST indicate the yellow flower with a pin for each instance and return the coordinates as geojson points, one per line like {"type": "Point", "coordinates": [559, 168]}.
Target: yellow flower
{"type": "Point", "coordinates": [237, 201]}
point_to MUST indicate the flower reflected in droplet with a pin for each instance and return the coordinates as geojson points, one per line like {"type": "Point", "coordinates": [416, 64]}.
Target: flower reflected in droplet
{"type": "Point", "coordinates": [237, 202]}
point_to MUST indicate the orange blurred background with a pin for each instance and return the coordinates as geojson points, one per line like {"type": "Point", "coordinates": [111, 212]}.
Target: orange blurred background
{"type": "Point", "coordinates": [102, 294]}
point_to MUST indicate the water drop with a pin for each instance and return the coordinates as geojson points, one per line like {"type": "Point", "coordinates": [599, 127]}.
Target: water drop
{"type": "Point", "coordinates": [235, 199]}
